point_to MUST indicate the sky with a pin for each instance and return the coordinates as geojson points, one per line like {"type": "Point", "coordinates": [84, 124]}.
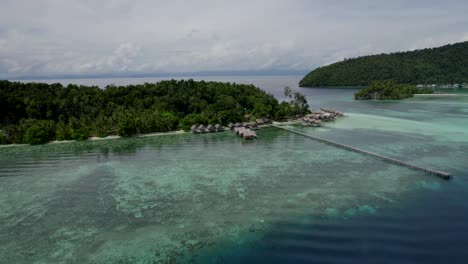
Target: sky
{"type": "Point", "coordinates": [79, 37]}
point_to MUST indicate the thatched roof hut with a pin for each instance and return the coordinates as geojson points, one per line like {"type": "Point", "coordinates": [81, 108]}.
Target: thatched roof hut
{"type": "Point", "coordinates": [249, 134]}
{"type": "Point", "coordinates": [219, 128]}
{"type": "Point", "coordinates": [253, 125]}
{"type": "Point", "coordinates": [263, 121]}
{"type": "Point", "coordinates": [201, 129]}
{"type": "Point", "coordinates": [210, 128]}
{"type": "Point", "coordinates": [239, 130]}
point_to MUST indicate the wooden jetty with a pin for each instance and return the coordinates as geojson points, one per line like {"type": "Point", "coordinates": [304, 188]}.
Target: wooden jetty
{"type": "Point", "coordinates": [442, 174]}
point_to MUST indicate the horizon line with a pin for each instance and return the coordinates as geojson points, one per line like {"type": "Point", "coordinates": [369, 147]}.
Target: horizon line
{"type": "Point", "coordinates": [168, 74]}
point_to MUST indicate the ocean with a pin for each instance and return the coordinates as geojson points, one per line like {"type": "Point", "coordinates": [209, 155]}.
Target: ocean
{"type": "Point", "coordinates": [214, 198]}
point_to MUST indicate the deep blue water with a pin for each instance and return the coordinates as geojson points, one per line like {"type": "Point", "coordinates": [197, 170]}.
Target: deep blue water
{"type": "Point", "coordinates": [431, 228]}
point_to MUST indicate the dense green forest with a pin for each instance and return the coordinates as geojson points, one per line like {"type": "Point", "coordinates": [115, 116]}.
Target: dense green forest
{"type": "Point", "coordinates": [35, 113]}
{"type": "Point", "coordinates": [389, 90]}
{"type": "Point", "coordinates": [443, 65]}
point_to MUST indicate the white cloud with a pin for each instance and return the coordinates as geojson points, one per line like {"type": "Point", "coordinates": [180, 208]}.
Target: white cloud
{"type": "Point", "coordinates": [112, 36]}
{"type": "Point", "coordinates": [464, 38]}
{"type": "Point", "coordinates": [3, 45]}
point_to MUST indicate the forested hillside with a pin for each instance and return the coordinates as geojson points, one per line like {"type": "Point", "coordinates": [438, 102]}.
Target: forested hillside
{"type": "Point", "coordinates": [36, 112]}
{"type": "Point", "coordinates": [389, 90]}
{"type": "Point", "coordinates": [443, 65]}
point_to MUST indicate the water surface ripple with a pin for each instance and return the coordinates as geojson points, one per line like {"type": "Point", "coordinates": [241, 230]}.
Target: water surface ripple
{"type": "Point", "coordinates": [218, 199]}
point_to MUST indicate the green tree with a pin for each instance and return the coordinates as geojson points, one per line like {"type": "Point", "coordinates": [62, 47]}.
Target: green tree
{"type": "Point", "coordinates": [127, 126]}
{"type": "Point", "coordinates": [287, 92]}
{"type": "Point", "coordinates": [80, 134]}
{"type": "Point", "coordinates": [83, 111]}
{"type": "Point", "coordinates": [62, 132]}
{"type": "Point", "coordinates": [38, 132]}
{"type": "Point", "coordinates": [3, 138]}
{"type": "Point", "coordinates": [389, 90]}
{"type": "Point", "coordinates": [192, 119]}
{"type": "Point", "coordinates": [300, 104]}
{"type": "Point", "coordinates": [442, 65]}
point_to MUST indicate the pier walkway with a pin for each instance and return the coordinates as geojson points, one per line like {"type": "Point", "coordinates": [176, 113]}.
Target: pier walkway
{"type": "Point", "coordinates": [442, 174]}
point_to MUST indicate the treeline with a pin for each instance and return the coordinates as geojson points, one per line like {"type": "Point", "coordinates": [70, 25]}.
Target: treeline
{"type": "Point", "coordinates": [35, 113]}
{"type": "Point", "coordinates": [443, 65]}
{"type": "Point", "coordinates": [389, 90]}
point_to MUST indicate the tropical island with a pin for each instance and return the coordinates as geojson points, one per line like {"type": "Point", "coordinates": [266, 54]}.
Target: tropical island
{"type": "Point", "coordinates": [440, 66]}
{"type": "Point", "coordinates": [35, 113]}
{"type": "Point", "coordinates": [390, 90]}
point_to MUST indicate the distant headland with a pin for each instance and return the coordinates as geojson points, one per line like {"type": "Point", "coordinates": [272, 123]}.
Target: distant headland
{"type": "Point", "coordinates": [446, 65]}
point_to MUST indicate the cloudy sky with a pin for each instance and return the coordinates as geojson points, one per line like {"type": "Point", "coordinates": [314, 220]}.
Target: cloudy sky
{"type": "Point", "coordinates": [52, 37]}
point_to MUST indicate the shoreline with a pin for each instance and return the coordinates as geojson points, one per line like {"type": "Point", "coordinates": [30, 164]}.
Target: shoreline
{"type": "Point", "coordinates": [442, 94]}
{"type": "Point", "coordinates": [113, 137]}
{"type": "Point", "coordinates": [154, 134]}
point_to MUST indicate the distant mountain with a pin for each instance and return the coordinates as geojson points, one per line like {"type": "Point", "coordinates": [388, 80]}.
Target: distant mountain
{"type": "Point", "coordinates": [443, 65]}
{"type": "Point", "coordinates": [271, 72]}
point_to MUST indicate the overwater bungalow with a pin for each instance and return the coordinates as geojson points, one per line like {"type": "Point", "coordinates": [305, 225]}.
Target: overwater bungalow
{"type": "Point", "coordinates": [245, 132]}
{"type": "Point", "coordinates": [242, 131]}
{"type": "Point", "coordinates": [237, 124]}
{"type": "Point", "coordinates": [253, 125]}
{"type": "Point", "coordinates": [249, 134]}
{"type": "Point", "coordinates": [315, 123]}
{"type": "Point", "coordinates": [210, 128]}
{"type": "Point", "coordinates": [201, 129]}
{"type": "Point", "coordinates": [230, 126]}
{"type": "Point", "coordinates": [194, 129]}
{"type": "Point", "coordinates": [308, 121]}
{"type": "Point", "coordinates": [239, 130]}
{"type": "Point", "coordinates": [219, 128]}
{"type": "Point", "coordinates": [334, 112]}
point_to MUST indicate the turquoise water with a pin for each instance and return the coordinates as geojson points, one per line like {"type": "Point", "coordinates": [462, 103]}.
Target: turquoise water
{"type": "Point", "coordinates": [215, 198]}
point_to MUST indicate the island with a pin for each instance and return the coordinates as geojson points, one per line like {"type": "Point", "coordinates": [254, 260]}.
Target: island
{"type": "Point", "coordinates": [436, 66]}
{"type": "Point", "coordinates": [390, 90]}
{"type": "Point", "coordinates": [35, 113]}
